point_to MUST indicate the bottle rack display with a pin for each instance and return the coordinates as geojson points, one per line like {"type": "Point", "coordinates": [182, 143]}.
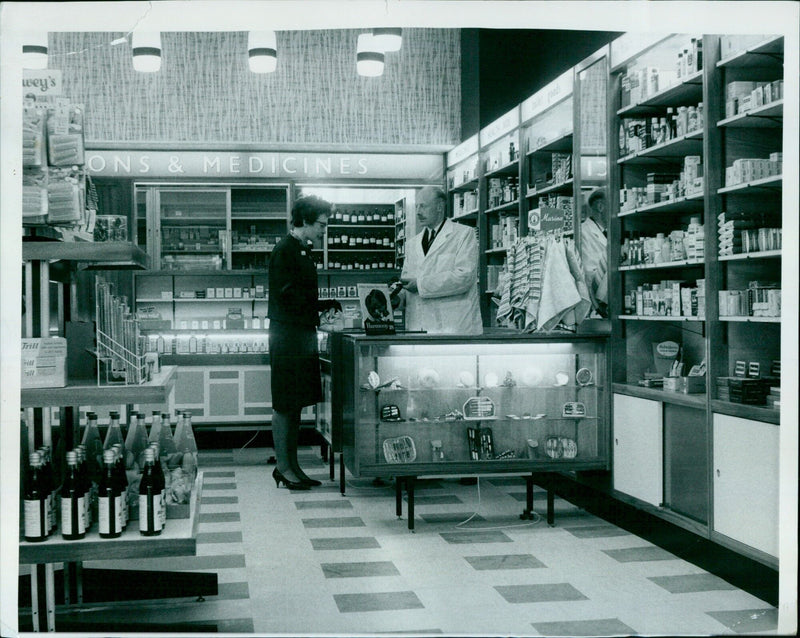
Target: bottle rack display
{"type": "Point", "coordinates": [421, 405]}
{"type": "Point", "coordinates": [696, 273]}
{"type": "Point", "coordinates": [359, 237]}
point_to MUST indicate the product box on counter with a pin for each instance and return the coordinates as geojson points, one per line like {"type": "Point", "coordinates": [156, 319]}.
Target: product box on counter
{"type": "Point", "coordinates": [44, 362]}
{"type": "Point", "coordinates": [111, 228]}
{"type": "Point", "coordinates": [686, 385]}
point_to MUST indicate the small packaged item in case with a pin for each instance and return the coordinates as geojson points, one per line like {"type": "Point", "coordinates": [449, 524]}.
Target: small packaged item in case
{"type": "Point", "coordinates": [558, 447]}
{"type": "Point", "coordinates": [573, 409]}
{"type": "Point", "coordinates": [399, 450]}
{"type": "Point", "coordinates": [437, 453]}
{"type": "Point", "coordinates": [390, 413]}
{"type": "Point", "coordinates": [478, 408]}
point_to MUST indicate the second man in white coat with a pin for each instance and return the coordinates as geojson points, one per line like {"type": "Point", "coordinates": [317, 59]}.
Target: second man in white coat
{"type": "Point", "coordinates": [440, 272]}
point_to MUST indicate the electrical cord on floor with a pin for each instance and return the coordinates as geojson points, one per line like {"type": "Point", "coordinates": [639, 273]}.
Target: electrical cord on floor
{"type": "Point", "coordinates": [252, 438]}
{"type": "Point", "coordinates": [536, 517]}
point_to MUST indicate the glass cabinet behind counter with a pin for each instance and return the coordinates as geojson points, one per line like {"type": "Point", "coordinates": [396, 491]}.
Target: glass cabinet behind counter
{"type": "Point", "coordinates": [419, 405]}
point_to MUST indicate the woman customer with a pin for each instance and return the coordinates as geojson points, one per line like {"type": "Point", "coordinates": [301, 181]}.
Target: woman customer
{"type": "Point", "coordinates": [294, 309]}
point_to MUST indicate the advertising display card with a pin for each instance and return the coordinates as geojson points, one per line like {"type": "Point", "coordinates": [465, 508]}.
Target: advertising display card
{"type": "Point", "coordinates": [376, 309]}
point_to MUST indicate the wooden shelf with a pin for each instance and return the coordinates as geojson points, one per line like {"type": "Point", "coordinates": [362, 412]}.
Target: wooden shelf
{"type": "Point", "coordinates": [179, 538]}
{"type": "Point", "coordinates": [751, 319]}
{"type": "Point", "coordinates": [657, 394]}
{"type": "Point", "coordinates": [687, 91]}
{"type": "Point", "coordinates": [767, 53]}
{"type": "Point", "coordinates": [763, 254]}
{"type": "Point", "coordinates": [267, 217]}
{"type": "Point", "coordinates": [669, 264]}
{"type": "Point", "coordinates": [767, 116]}
{"type": "Point", "coordinates": [470, 215]}
{"type": "Point", "coordinates": [87, 392]}
{"type": "Point", "coordinates": [386, 225]}
{"type": "Point", "coordinates": [496, 251]}
{"type": "Point", "coordinates": [561, 187]}
{"type": "Point", "coordinates": [771, 183]}
{"type": "Point", "coordinates": [686, 204]}
{"type": "Point", "coordinates": [509, 169]}
{"type": "Point", "coordinates": [188, 251]}
{"type": "Point", "coordinates": [502, 207]}
{"type": "Point", "coordinates": [561, 144]}
{"type": "Point", "coordinates": [755, 412]}
{"type": "Point", "coordinates": [361, 250]}
{"type": "Point", "coordinates": [471, 185]}
{"type": "Point", "coordinates": [89, 255]}
{"type": "Point", "coordinates": [335, 272]}
{"type": "Point", "coordinates": [213, 299]}
{"type": "Point", "coordinates": [689, 144]}
{"type": "Point", "coordinates": [658, 318]}
{"type": "Point", "coordinates": [202, 273]}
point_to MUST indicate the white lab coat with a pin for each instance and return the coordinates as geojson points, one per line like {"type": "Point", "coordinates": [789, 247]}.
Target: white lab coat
{"type": "Point", "coordinates": [447, 281]}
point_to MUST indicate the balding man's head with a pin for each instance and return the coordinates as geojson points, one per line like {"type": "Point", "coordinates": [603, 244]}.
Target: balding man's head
{"type": "Point", "coordinates": [431, 206]}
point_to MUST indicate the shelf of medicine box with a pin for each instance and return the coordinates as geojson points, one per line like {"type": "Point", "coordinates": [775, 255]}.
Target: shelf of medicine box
{"type": "Point", "coordinates": [666, 264]}
{"type": "Point", "coordinates": [659, 318]}
{"type": "Point", "coordinates": [775, 182]}
{"type": "Point", "coordinates": [269, 216]}
{"type": "Point", "coordinates": [230, 332]}
{"type": "Point", "coordinates": [761, 254]}
{"type": "Point", "coordinates": [90, 255]}
{"type": "Point", "coordinates": [386, 225]}
{"type": "Point", "coordinates": [200, 222]}
{"type": "Point", "coordinates": [764, 54]}
{"type": "Point", "coordinates": [497, 251]}
{"type": "Point", "coordinates": [747, 319]}
{"type": "Point", "coordinates": [471, 185]}
{"type": "Point", "coordinates": [688, 91]}
{"type": "Point", "coordinates": [502, 207]}
{"type": "Point", "coordinates": [335, 272]}
{"type": "Point", "coordinates": [179, 538]}
{"type": "Point", "coordinates": [657, 394]}
{"type": "Point", "coordinates": [766, 116]}
{"type": "Point", "coordinates": [191, 251]}
{"type": "Point", "coordinates": [689, 144]}
{"type": "Point", "coordinates": [512, 168]}
{"type": "Point", "coordinates": [561, 187]}
{"type": "Point", "coordinates": [561, 144]}
{"type": "Point", "coordinates": [687, 204]}
{"type": "Point", "coordinates": [364, 249]}
{"type": "Point", "coordinates": [745, 411]}
{"type": "Point", "coordinates": [244, 272]}
{"type": "Point", "coordinates": [87, 392]}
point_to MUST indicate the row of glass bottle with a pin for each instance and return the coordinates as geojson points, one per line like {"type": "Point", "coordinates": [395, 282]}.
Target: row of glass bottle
{"type": "Point", "coordinates": [41, 515]}
{"type": "Point", "coordinates": [78, 491]}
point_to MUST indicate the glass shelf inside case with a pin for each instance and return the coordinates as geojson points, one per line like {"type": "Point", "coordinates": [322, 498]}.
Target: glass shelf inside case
{"type": "Point", "coordinates": [475, 407]}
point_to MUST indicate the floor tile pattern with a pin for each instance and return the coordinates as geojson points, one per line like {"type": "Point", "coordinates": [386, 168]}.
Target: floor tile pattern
{"type": "Point", "coordinates": [314, 562]}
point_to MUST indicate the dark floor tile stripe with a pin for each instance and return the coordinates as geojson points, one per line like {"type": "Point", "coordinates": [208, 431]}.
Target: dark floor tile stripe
{"type": "Point", "coordinates": [334, 521]}
{"type": "Point", "coordinates": [219, 537]}
{"type": "Point", "coordinates": [219, 500]}
{"type": "Point", "coordinates": [638, 554]}
{"type": "Point", "coordinates": [232, 591]}
{"type": "Point", "coordinates": [216, 487]}
{"type": "Point", "coordinates": [337, 504]}
{"type": "Point", "coordinates": [599, 627]}
{"type": "Point", "coordinates": [475, 537]}
{"type": "Point", "coordinates": [193, 563]}
{"type": "Point", "coordinates": [443, 499]}
{"type": "Point", "coordinates": [231, 625]}
{"type": "Point", "coordinates": [219, 474]}
{"type": "Point", "coordinates": [505, 561]}
{"type": "Point", "coordinates": [384, 601]}
{"type": "Point", "coordinates": [421, 632]}
{"type": "Point", "coordinates": [359, 570]}
{"type": "Point", "coordinates": [353, 542]}
{"type": "Point", "coordinates": [220, 517]}
{"type": "Point", "coordinates": [597, 531]}
{"type": "Point", "coordinates": [746, 621]}
{"type": "Point", "coordinates": [691, 583]}
{"type": "Point", "coordinates": [550, 592]}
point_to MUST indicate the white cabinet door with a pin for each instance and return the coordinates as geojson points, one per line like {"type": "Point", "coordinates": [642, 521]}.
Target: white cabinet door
{"type": "Point", "coordinates": [746, 481]}
{"type": "Point", "coordinates": [638, 448]}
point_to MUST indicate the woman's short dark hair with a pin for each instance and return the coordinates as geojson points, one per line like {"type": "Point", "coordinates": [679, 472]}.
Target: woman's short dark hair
{"type": "Point", "coordinates": [307, 210]}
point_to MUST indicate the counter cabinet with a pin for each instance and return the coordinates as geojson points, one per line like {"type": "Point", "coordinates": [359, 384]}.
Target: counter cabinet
{"type": "Point", "coordinates": [422, 405]}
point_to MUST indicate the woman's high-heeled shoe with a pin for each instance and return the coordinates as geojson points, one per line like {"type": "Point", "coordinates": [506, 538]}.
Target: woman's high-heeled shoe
{"type": "Point", "coordinates": [291, 485]}
{"type": "Point", "coordinates": [308, 480]}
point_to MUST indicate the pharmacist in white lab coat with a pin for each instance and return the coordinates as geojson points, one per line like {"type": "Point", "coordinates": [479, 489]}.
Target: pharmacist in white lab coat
{"type": "Point", "coordinates": [440, 273]}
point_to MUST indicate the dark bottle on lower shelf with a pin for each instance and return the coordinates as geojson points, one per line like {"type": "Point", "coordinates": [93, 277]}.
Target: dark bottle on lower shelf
{"type": "Point", "coordinates": [35, 502]}
{"type": "Point", "coordinates": [109, 507]}
{"type": "Point", "coordinates": [122, 481]}
{"type": "Point", "coordinates": [73, 510]}
{"type": "Point", "coordinates": [86, 485]}
{"type": "Point", "coordinates": [150, 495]}
{"type": "Point", "coordinates": [49, 485]}
{"type": "Point", "coordinates": [161, 482]}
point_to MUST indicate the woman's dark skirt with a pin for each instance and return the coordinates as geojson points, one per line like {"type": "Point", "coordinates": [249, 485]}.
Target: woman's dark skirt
{"type": "Point", "coordinates": [294, 359]}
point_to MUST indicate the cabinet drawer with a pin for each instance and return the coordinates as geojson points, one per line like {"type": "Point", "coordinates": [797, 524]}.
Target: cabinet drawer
{"type": "Point", "coordinates": [189, 387]}
{"type": "Point", "coordinates": [638, 448]}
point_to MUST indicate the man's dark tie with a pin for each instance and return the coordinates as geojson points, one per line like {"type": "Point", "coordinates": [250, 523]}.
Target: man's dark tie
{"type": "Point", "coordinates": [427, 240]}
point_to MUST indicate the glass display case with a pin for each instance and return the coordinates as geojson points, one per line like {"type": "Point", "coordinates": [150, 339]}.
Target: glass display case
{"type": "Point", "coordinates": [420, 405]}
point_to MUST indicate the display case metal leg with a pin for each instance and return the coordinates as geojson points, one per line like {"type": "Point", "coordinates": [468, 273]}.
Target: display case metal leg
{"type": "Point", "coordinates": [50, 596]}
{"type": "Point", "coordinates": [323, 450]}
{"type": "Point", "coordinates": [332, 462]}
{"type": "Point", "coordinates": [398, 496]}
{"type": "Point", "coordinates": [550, 512]}
{"type": "Point", "coordinates": [410, 481]}
{"type": "Point", "coordinates": [73, 589]}
{"type": "Point", "coordinates": [527, 513]}
{"type": "Point", "coordinates": [341, 473]}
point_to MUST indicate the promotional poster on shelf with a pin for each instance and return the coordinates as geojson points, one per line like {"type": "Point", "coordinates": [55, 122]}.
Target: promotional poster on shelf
{"type": "Point", "coordinates": [376, 309]}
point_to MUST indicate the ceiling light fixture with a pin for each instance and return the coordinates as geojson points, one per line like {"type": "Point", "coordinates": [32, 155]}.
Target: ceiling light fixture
{"type": "Point", "coordinates": [34, 51]}
{"type": "Point", "coordinates": [369, 57]}
{"type": "Point", "coordinates": [146, 47]}
{"type": "Point", "coordinates": [388, 39]}
{"type": "Point", "coordinates": [262, 51]}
